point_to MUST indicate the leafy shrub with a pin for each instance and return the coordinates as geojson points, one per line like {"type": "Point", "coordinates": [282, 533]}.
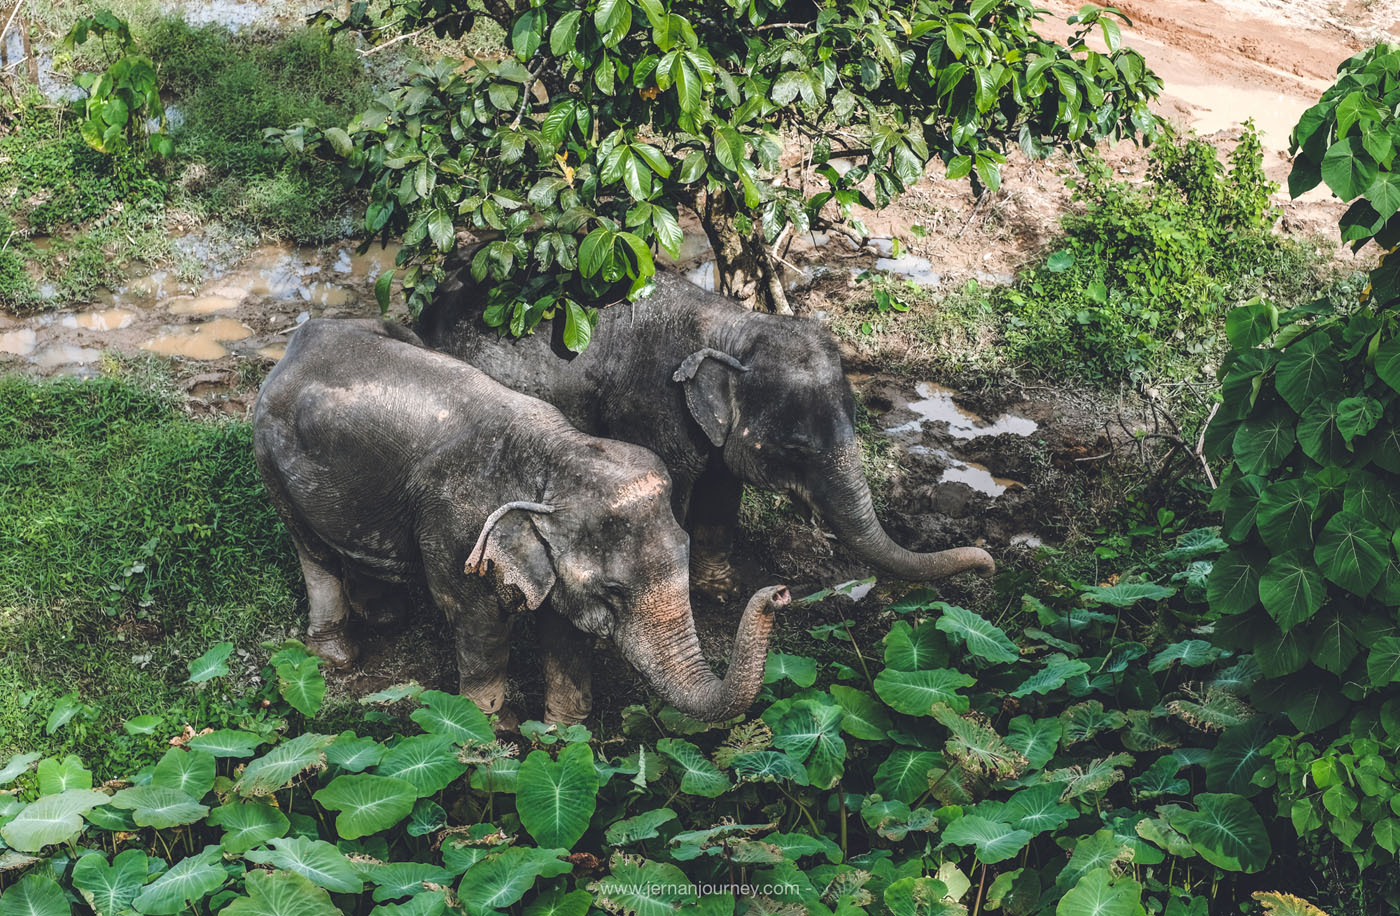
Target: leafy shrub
{"type": "Point", "coordinates": [122, 98]}
{"type": "Point", "coordinates": [951, 769]}
{"type": "Point", "coordinates": [1309, 422]}
{"type": "Point", "coordinates": [1146, 270]}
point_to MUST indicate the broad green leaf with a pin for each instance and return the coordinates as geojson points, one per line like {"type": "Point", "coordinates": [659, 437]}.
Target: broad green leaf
{"type": "Point", "coordinates": [982, 638]}
{"type": "Point", "coordinates": [1037, 810]}
{"type": "Point", "coordinates": [1190, 653]}
{"type": "Point", "coordinates": [424, 903]}
{"type": "Point", "coordinates": [995, 841]}
{"type": "Point", "coordinates": [1226, 830]}
{"type": "Point", "coordinates": [556, 798]}
{"type": "Point", "coordinates": [864, 717]}
{"type": "Point", "coordinates": [1099, 893]}
{"type": "Point", "coordinates": [302, 684]}
{"type": "Point", "coordinates": [903, 775]}
{"type": "Point", "coordinates": [428, 762]}
{"type": "Point", "coordinates": [1233, 586]}
{"type": "Point", "coordinates": [56, 777]}
{"type": "Point", "coordinates": [282, 764]}
{"type": "Point", "coordinates": [248, 824]}
{"type": "Point", "coordinates": [110, 889]}
{"type": "Point", "coordinates": [1357, 416]}
{"type": "Point", "coordinates": [1319, 434]}
{"type": "Point", "coordinates": [1160, 779]}
{"type": "Point", "coordinates": [1054, 674]}
{"type": "Point", "coordinates": [1383, 662]}
{"type": "Point", "coordinates": [211, 664]}
{"type": "Point", "coordinates": [910, 648]}
{"type": "Point", "coordinates": [191, 772]}
{"type": "Point", "coordinates": [426, 817]}
{"type": "Point", "coordinates": [316, 860]}
{"type": "Point", "coordinates": [160, 807]}
{"type": "Point", "coordinates": [916, 692]}
{"type": "Point", "coordinates": [1348, 168]}
{"type": "Point", "coordinates": [799, 669]}
{"type": "Point", "coordinates": [1352, 552]}
{"type": "Point", "coordinates": [367, 804]}
{"type": "Point", "coordinates": [502, 878]}
{"type": "Point", "coordinates": [1262, 443]}
{"type": "Point", "coordinates": [396, 880]}
{"type": "Point", "coordinates": [769, 766]}
{"type": "Point", "coordinates": [1291, 589]}
{"type": "Point", "coordinates": [51, 820]}
{"type": "Point", "coordinates": [188, 881]}
{"type": "Point", "coordinates": [35, 895]}
{"type": "Point", "coordinates": [1285, 514]}
{"type": "Point", "coordinates": [16, 766]}
{"type": "Point", "coordinates": [281, 894]}
{"type": "Point", "coordinates": [919, 896]}
{"type": "Point", "coordinates": [1238, 755]}
{"type": "Point", "coordinates": [354, 754]}
{"type": "Point", "coordinates": [453, 716]}
{"type": "Point", "coordinates": [699, 776]}
{"type": "Point", "coordinates": [1035, 739]}
{"type": "Point", "coordinates": [811, 732]}
{"type": "Point", "coordinates": [226, 742]}
{"type": "Point", "coordinates": [1307, 369]}
{"type": "Point", "coordinates": [644, 826]}
{"type": "Point", "coordinates": [1099, 850]}
{"type": "Point", "coordinates": [642, 888]}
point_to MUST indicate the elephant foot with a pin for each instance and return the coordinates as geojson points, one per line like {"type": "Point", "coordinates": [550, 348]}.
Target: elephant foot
{"type": "Point", "coordinates": [568, 709]}
{"type": "Point", "coordinates": [713, 577]}
{"type": "Point", "coordinates": [333, 647]}
{"type": "Point", "coordinates": [506, 721]}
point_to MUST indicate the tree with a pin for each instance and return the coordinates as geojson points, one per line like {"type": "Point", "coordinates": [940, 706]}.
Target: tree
{"type": "Point", "coordinates": [575, 151]}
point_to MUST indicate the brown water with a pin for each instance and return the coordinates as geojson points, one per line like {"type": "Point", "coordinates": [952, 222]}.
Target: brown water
{"type": "Point", "coordinates": [102, 320]}
{"type": "Point", "coordinates": [936, 404]}
{"type": "Point", "coordinates": [18, 343]}
{"type": "Point", "coordinates": [201, 341]}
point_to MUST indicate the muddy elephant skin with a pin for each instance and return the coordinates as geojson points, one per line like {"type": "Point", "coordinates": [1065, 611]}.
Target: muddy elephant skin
{"type": "Point", "coordinates": [723, 395]}
{"type": "Point", "coordinates": [394, 463]}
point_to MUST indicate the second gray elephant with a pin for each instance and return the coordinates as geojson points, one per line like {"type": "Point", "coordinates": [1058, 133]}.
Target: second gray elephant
{"type": "Point", "coordinates": [393, 463]}
{"type": "Point", "coordinates": [723, 395]}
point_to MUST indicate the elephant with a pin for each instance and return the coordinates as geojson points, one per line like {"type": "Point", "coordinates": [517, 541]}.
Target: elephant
{"type": "Point", "coordinates": [394, 463]}
{"type": "Point", "coordinates": [723, 395]}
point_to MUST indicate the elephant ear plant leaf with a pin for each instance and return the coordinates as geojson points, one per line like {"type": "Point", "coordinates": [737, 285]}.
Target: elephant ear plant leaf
{"type": "Point", "coordinates": [557, 797]}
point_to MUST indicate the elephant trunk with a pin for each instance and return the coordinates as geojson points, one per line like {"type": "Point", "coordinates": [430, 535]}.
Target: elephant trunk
{"type": "Point", "coordinates": [664, 648]}
{"type": "Point", "coordinates": [841, 496]}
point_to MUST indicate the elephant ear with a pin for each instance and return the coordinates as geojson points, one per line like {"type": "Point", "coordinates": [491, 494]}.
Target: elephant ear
{"type": "Point", "coordinates": [708, 379]}
{"type": "Point", "coordinates": [510, 541]}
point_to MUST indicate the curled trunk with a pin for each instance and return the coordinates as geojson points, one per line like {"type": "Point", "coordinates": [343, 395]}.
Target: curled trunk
{"type": "Point", "coordinates": [842, 497]}
{"type": "Point", "coordinates": [664, 648]}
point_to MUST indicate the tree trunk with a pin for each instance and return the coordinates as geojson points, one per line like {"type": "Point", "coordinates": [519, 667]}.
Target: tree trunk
{"type": "Point", "coordinates": [747, 271]}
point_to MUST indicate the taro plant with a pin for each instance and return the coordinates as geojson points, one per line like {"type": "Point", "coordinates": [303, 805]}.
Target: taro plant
{"type": "Point", "coordinates": [122, 98]}
{"type": "Point", "coordinates": [608, 123]}
{"type": "Point", "coordinates": [1070, 765]}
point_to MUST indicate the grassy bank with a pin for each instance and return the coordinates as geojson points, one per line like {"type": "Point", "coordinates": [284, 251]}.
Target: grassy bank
{"type": "Point", "coordinates": [134, 539]}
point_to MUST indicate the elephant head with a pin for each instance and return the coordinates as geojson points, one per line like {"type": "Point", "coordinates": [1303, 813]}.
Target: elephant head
{"type": "Point", "coordinates": [774, 398]}
{"type": "Point", "coordinates": [617, 565]}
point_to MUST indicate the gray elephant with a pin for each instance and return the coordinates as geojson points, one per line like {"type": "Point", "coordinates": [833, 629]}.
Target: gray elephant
{"type": "Point", "coordinates": [724, 396]}
{"type": "Point", "coordinates": [393, 463]}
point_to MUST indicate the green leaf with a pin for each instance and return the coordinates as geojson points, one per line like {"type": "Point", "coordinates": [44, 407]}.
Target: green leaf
{"type": "Point", "coordinates": [700, 776]}
{"type": "Point", "coordinates": [596, 251]}
{"type": "Point", "coordinates": [903, 775]}
{"type": "Point", "coordinates": [1352, 552]}
{"type": "Point", "coordinates": [811, 732]}
{"type": "Point", "coordinates": [396, 880]}
{"type": "Point", "coordinates": [556, 798]}
{"type": "Point", "coordinates": [982, 638]}
{"type": "Point", "coordinates": [354, 754]}
{"type": "Point", "coordinates": [500, 879]}
{"type": "Point", "coordinates": [441, 231]}
{"type": "Point", "coordinates": [226, 742]}
{"type": "Point", "coordinates": [644, 826]}
{"type": "Point", "coordinates": [318, 861]}
{"type": "Point", "coordinates": [159, 806]}
{"type": "Point", "coordinates": [51, 820]}
{"type": "Point", "coordinates": [382, 287]}
{"type": "Point", "coordinates": [1263, 442]}
{"type": "Point", "coordinates": [730, 149]}
{"type": "Point", "coordinates": [1058, 670]}
{"type": "Point", "coordinates": [1233, 586]}
{"type": "Point", "coordinates": [1383, 662]}
{"type": "Point", "coordinates": [770, 766]}
{"type": "Point", "coordinates": [1348, 169]}
{"type": "Point", "coordinates": [16, 766]}
{"type": "Point", "coordinates": [188, 881]}
{"type": "Point", "coordinates": [1319, 434]}
{"type": "Point", "coordinates": [281, 894]}
{"type": "Point", "coordinates": [1038, 809]}
{"type": "Point", "coordinates": [1285, 514]}
{"type": "Point", "coordinates": [211, 664]}
{"type": "Point", "coordinates": [689, 86]}
{"type": "Point", "coordinates": [564, 35]}
{"type": "Point", "coordinates": [864, 719]}
{"type": "Point", "coordinates": [995, 841]}
{"type": "Point", "coordinates": [916, 692]}
{"type": "Point", "coordinates": [1035, 739]}
{"type": "Point", "coordinates": [428, 762]}
{"type": "Point", "coordinates": [1238, 755]}
{"type": "Point", "coordinates": [1250, 325]}
{"type": "Point", "coordinates": [1291, 589]}
{"type": "Point", "coordinates": [556, 902]}
{"type": "Point", "coordinates": [248, 824]}
{"type": "Point", "coordinates": [1357, 416]}
{"type": "Point", "coordinates": [367, 804]}
{"type": "Point", "coordinates": [1098, 893]}
{"type": "Point", "coordinates": [912, 896]}
{"type": "Point", "coordinates": [56, 777]}
{"type": "Point", "coordinates": [578, 326]}
{"type": "Point", "coordinates": [190, 772]}
{"type": "Point", "coordinates": [110, 889]}
{"type": "Point", "coordinates": [426, 817]}
{"type": "Point", "coordinates": [302, 684]}
{"type": "Point", "coordinates": [35, 895]}
{"type": "Point", "coordinates": [1308, 368]}
{"type": "Point", "coordinates": [799, 669]}
{"type": "Point", "coordinates": [642, 888]}
{"type": "Point", "coordinates": [910, 648]}
{"type": "Point", "coordinates": [1127, 594]}
{"type": "Point", "coordinates": [1226, 830]}
{"type": "Point", "coordinates": [282, 764]}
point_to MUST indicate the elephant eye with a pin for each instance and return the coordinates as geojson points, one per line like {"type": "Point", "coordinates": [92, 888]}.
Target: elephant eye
{"type": "Point", "coordinates": [614, 594]}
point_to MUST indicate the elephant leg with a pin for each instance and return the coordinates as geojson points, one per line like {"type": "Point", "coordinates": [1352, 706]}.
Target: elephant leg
{"type": "Point", "coordinates": [383, 604]}
{"type": "Point", "coordinates": [481, 626]}
{"type": "Point", "coordinates": [326, 633]}
{"type": "Point", "coordinates": [568, 669]}
{"type": "Point", "coordinates": [714, 513]}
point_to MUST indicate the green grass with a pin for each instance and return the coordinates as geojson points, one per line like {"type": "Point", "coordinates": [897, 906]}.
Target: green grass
{"type": "Point", "coordinates": [134, 538]}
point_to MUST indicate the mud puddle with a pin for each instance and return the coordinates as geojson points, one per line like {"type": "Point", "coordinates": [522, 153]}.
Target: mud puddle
{"type": "Point", "coordinates": [244, 310]}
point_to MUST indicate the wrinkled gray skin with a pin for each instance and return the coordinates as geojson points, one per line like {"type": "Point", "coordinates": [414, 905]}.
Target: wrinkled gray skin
{"type": "Point", "coordinates": [391, 463]}
{"type": "Point", "coordinates": [723, 395]}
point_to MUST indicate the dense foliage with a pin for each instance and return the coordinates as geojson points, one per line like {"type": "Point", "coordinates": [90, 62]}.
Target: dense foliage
{"type": "Point", "coordinates": [124, 97]}
{"type": "Point", "coordinates": [1310, 424]}
{"type": "Point", "coordinates": [607, 121]}
{"type": "Point", "coordinates": [1078, 771]}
